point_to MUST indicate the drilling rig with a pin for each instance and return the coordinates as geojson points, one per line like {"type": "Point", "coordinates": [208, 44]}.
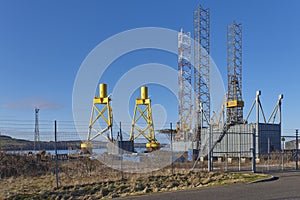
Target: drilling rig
{"type": "Point", "coordinates": [235, 101]}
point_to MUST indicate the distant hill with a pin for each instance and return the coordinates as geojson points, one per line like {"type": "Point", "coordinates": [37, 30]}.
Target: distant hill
{"type": "Point", "coordinates": [8, 143]}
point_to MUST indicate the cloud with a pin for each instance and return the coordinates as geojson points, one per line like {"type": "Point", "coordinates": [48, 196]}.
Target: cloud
{"type": "Point", "coordinates": [30, 103]}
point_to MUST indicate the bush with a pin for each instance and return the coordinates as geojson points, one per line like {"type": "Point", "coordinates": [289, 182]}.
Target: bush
{"type": "Point", "coordinates": [21, 165]}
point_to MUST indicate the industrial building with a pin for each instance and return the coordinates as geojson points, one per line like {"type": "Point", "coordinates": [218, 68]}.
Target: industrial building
{"type": "Point", "coordinates": [198, 130]}
{"type": "Point", "coordinates": [232, 135]}
{"type": "Point", "coordinates": [291, 145]}
{"type": "Point", "coordinates": [238, 140]}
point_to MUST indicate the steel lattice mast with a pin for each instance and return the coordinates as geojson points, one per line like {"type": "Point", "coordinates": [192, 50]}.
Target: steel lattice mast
{"type": "Point", "coordinates": [36, 130]}
{"type": "Point", "coordinates": [184, 81]}
{"type": "Point", "coordinates": [235, 102]}
{"type": "Point", "coordinates": [201, 68]}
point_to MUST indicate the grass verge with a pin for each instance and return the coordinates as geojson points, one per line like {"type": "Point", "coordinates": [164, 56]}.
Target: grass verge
{"type": "Point", "coordinates": [43, 187]}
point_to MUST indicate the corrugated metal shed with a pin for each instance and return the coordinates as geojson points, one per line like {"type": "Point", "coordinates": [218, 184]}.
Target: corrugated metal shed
{"type": "Point", "coordinates": [239, 140]}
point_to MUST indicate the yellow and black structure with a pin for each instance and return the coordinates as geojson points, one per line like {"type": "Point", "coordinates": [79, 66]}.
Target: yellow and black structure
{"type": "Point", "coordinates": [235, 103]}
{"type": "Point", "coordinates": [142, 114]}
{"type": "Point", "coordinates": [101, 110]}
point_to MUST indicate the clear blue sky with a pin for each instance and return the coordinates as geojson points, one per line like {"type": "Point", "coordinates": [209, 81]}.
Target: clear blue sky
{"type": "Point", "coordinates": [43, 43]}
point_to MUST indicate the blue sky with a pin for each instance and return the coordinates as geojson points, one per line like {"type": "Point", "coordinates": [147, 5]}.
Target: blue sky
{"type": "Point", "coordinates": [43, 43]}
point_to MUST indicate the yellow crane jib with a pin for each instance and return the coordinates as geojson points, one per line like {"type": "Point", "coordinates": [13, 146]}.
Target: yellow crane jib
{"type": "Point", "coordinates": [143, 112]}
{"type": "Point", "coordinates": [101, 110]}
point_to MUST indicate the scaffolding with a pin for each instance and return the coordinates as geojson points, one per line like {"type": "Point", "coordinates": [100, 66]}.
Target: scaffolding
{"type": "Point", "coordinates": [184, 83]}
{"type": "Point", "coordinates": [201, 70]}
{"type": "Point", "coordinates": [235, 102]}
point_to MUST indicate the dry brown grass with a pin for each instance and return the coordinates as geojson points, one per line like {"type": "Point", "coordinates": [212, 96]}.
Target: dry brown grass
{"type": "Point", "coordinates": [89, 179]}
{"type": "Point", "coordinates": [20, 165]}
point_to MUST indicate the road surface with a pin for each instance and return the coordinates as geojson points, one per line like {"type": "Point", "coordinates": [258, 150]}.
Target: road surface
{"type": "Point", "coordinates": [287, 186]}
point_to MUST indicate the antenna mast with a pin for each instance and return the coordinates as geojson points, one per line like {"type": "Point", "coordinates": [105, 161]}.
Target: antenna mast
{"type": "Point", "coordinates": [36, 130]}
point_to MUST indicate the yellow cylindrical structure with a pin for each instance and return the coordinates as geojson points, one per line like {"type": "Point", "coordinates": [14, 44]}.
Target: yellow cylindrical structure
{"type": "Point", "coordinates": [103, 90]}
{"type": "Point", "coordinates": [144, 92]}
{"type": "Point", "coordinates": [152, 146]}
{"type": "Point", "coordinates": [86, 148]}
{"type": "Point", "coordinates": [83, 145]}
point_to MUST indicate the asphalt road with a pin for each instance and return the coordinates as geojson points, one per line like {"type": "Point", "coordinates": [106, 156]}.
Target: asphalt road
{"type": "Point", "coordinates": [287, 186]}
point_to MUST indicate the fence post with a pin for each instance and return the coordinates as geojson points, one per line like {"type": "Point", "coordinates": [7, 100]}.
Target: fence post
{"type": "Point", "coordinates": [122, 149]}
{"type": "Point", "coordinates": [226, 163]}
{"type": "Point", "coordinates": [240, 150]}
{"type": "Point", "coordinates": [209, 155]}
{"type": "Point", "coordinates": [297, 147]}
{"type": "Point", "coordinates": [254, 151]}
{"type": "Point", "coordinates": [282, 153]}
{"type": "Point", "coordinates": [56, 156]}
{"type": "Point", "coordinates": [172, 165]}
{"type": "Point", "coordinates": [268, 165]}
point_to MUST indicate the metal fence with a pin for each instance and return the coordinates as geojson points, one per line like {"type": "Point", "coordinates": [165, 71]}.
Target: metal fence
{"type": "Point", "coordinates": [241, 155]}
{"type": "Point", "coordinates": [69, 167]}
